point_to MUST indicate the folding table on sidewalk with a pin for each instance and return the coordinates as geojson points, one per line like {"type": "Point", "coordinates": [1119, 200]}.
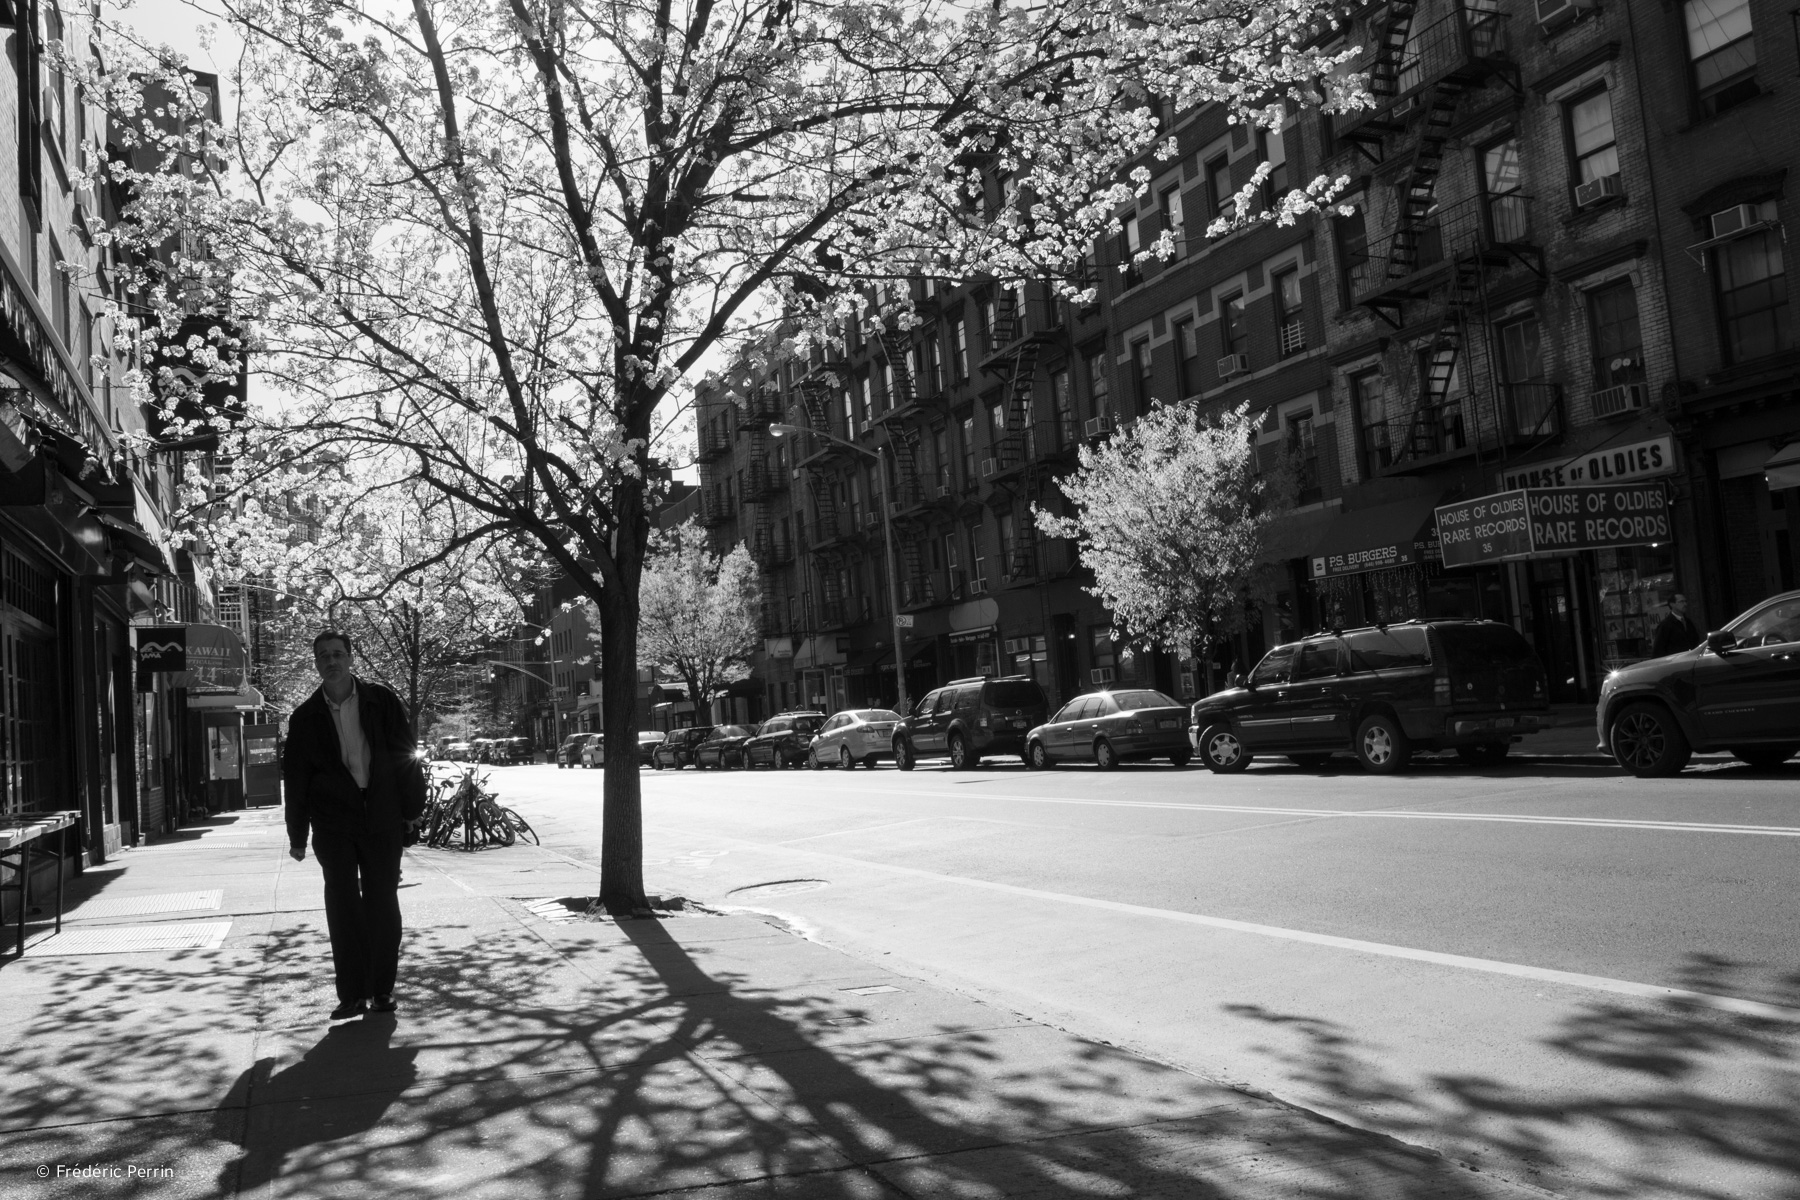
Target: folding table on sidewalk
{"type": "Point", "coordinates": [23, 837]}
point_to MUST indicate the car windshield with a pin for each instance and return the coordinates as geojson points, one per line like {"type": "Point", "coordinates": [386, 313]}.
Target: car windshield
{"type": "Point", "coordinates": [1014, 693]}
{"type": "Point", "coordinates": [1142, 699]}
{"type": "Point", "coordinates": [876, 714]}
{"type": "Point", "coordinates": [730, 731]}
{"type": "Point", "coordinates": [650, 737]}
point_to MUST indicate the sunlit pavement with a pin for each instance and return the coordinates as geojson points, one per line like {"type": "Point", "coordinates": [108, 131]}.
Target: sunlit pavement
{"type": "Point", "coordinates": [1575, 978]}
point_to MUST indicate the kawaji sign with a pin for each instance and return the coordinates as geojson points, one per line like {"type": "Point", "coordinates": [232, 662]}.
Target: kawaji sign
{"type": "Point", "coordinates": [210, 657]}
{"type": "Point", "coordinates": [1547, 522]}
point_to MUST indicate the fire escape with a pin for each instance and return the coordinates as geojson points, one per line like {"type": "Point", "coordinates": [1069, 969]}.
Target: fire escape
{"type": "Point", "coordinates": [1433, 267]}
{"type": "Point", "coordinates": [912, 498]}
{"type": "Point", "coordinates": [1026, 319]}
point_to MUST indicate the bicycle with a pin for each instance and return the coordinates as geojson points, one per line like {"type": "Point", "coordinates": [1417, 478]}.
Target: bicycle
{"type": "Point", "coordinates": [465, 807]}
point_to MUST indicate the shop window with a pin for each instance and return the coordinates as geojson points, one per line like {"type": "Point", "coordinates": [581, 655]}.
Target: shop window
{"type": "Point", "coordinates": [1352, 236]}
{"type": "Point", "coordinates": [1751, 285]}
{"type": "Point", "coordinates": [1617, 342]}
{"type": "Point", "coordinates": [1290, 316]}
{"type": "Point", "coordinates": [1593, 146]}
{"type": "Point", "coordinates": [1303, 453]}
{"type": "Point", "coordinates": [1501, 181]}
{"type": "Point", "coordinates": [1368, 394]}
{"type": "Point", "coordinates": [1141, 367]}
{"type": "Point", "coordinates": [1187, 357]}
{"type": "Point", "coordinates": [1635, 584]}
{"type": "Point", "coordinates": [1723, 53]}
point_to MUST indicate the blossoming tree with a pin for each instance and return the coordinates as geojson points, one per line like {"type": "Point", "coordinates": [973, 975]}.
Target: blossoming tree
{"type": "Point", "coordinates": [491, 241]}
{"type": "Point", "coordinates": [697, 612]}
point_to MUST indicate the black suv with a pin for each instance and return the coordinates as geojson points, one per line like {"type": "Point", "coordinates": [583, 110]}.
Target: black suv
{"type": "Point", "coordinates": [1738, 691]}
{"type": "Point", "coordinates": [677, 750]}
{"type": "Point", "coordinates": [970, 718]}
{"type": "Point", "coordinates": [781, 741]}
{"type": "Point", "coordinates": [1380, 693]}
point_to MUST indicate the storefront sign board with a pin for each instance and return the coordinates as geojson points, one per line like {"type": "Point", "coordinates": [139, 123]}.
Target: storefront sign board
{"type": "Point", "coordinates": [1648, 459]}
{"type": "Point", "coordinates": [1547, 522]}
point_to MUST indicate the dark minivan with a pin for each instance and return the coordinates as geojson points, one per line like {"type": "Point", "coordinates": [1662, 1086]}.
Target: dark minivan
{"type": "Point", "coordinates": [1381, 694]}
{"type": "Point", "coordinates": [968, 719]}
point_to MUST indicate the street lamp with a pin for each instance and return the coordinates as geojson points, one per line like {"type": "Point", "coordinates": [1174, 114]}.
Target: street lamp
{"type": "Point", "coordinates": [555, 707]}
{"type": "Point", "coordinates": [779, 429]}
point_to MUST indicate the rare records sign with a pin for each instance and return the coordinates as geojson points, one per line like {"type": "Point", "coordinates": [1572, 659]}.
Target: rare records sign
{"type": "Point", "coordinates": [1548, 522]}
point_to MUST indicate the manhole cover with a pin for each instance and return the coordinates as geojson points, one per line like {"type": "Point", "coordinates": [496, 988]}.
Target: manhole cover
{"type": "Point", "coordinates": [780, 887]}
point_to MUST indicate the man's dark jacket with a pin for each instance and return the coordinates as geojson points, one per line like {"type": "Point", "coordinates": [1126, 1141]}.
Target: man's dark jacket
{"type": "Point", "coordinates": [1674, 633]}
{"type": "Point", "coordinates": [320, 791]}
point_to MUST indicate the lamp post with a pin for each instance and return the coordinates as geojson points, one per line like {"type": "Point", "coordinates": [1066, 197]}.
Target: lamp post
{"type": "Point", "coordinates": [887, 531]}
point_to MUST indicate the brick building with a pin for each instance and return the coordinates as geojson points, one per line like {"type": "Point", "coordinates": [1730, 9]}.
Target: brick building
{"type": "Point", "coordinates": [1557, 271]}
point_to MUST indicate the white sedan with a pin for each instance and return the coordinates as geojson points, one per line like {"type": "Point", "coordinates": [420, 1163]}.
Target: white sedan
{"type": "Point", "coordinates": [859, 735]}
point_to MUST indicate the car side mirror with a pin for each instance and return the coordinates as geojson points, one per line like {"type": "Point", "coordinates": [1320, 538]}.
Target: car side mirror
{"type": "Point", "coordinates": [1237, 679]}
{"type": "Point", "coordinates": [1721, 640]}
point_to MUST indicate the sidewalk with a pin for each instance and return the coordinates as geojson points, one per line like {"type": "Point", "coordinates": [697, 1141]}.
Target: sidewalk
{"type": "Point", "coordinates": [177, 1029]}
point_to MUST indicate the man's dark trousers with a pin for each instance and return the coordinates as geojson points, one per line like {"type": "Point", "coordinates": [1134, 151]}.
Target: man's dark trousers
{"type": "Point", "coordinates": [362, 909]}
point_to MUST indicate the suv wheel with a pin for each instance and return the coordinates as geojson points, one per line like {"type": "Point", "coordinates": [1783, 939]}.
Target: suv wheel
{"type": "Point", "coordinates": [1105, 757]}
{"type": "Point", "coordinates": [903, 754]}
{"type": "Point", "coordinates": [1646, 741]}
{"type": "Point", "coordinates": [1382, 746]}
{"type": "Point", "coordinates": [961, 757]}
{"type": "Point", "coordinates": [1036, 757]}
{"type": "Point", "coordinates": [1763, 758]}
{"type": "Point", "coordinates": [1221, 750]}
{"type": "Point", "coordinates": [845, 762]}
{"type": "Point", "coordinates": [1485, 754]}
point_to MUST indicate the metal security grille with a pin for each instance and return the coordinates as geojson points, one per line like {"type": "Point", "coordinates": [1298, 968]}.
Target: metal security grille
{"type": "Point", "coordinates": [29, 757]}
{"type": "Point", "coordinates": [27, 588]}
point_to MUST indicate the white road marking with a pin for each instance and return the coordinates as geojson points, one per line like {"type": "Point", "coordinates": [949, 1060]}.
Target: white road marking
{"type": "Point", "coordinates": [1599, 983]}
{"type": "Point", "coordinates": [1387, 813]}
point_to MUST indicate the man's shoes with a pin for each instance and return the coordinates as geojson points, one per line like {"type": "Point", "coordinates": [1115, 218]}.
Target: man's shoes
{"type": "Point", "coordinates": [383, 1004]}
{"type": "Point", "coordinates": [349, 1008]}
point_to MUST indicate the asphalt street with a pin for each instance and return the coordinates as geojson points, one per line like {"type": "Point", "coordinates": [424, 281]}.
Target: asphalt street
{"type": "Point", "coordinates": [1580, 980]}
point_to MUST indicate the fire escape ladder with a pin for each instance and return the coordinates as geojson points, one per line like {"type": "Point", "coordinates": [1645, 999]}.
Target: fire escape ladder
{"type": "Point", "coordinates": [893, 347]}
{"type": "Point", "coordinates": [1384, 72]}
{"type": "Point", "coordinates": [824, 506]}
{"type": "Point", "coordinates": [815, 398]}
{"type": "Point", "coordinates": [904, 444]}
{"type": "Point", "coordinates": [1418, 194]}
{"type": "Point", "coordinates": [1018, 406]}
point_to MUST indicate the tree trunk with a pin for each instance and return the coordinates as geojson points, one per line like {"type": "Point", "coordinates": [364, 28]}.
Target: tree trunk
{"type": "Point", "coordinates": [622, 815]}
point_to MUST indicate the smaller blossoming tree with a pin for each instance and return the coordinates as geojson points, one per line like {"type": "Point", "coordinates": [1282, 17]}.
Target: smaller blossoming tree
{"type": "Point", "coordinates": [698, 612]}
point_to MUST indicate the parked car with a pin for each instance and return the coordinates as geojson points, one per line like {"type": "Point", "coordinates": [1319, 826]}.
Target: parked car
{"type": "Point", "coordinates": [1113, 727]}
{"type": "Point", "coordinates": [968, 719]}
{"type": "Point", "coordinates": [677, 750]}
{"type": "Point", "coordinates": [723, 747]}
{"type": "Point", "coordinates": [459, 752]}
{"type": "Point", "coordinates": [1380, 693]}
{"type": "Point", "coordinates": [647, 742]}
{"type": "Point", "coordinates": [783, 740]}
{"type": "Point", "coordinates": [859, 735]}
{"type": "Point", "coordinates": [569, 753]}
{"type": "Point", "coordinates": [482, 749]}
{"type": "Point", "coordinates": [510, 751]}
{"type": "Point", "coordinates": [1739, 690]}
{"type": "Point", "coordinates": [593, 751]}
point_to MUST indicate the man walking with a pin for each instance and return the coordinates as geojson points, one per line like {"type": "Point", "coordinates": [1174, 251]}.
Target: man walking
{"type": "Point", "coordinates": [1675, 632]}
{"type": "Point", "coordinates": [349, 776]}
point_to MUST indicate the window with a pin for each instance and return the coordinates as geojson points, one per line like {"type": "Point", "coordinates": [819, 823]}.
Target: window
{"type": "Point", "coordinates": [1168, 205]}
{"type": "Point", "coordinates": [990, 322]}
{"type": "Point", "coordinates": [1275, 667]}
{"type": "Point", "coordinates": [59, 294]}
{"type": "Point", "coordinates": [1303, 452]}
{"type": "Point", "coordinates": [1320, 660]}
{"type": "Point", "coordinates": [1591, 140]}
{"type": "Point", "coordinates": [1618, 346]}
{"type": "Point", "coordinates": [960, 335]}
{"type": "Point", "coordinates": [1141, 367]}
{"type": "Point", "coordinates": [1009, 542]}
{"type": "Point", "coordinates": [56, 85]}
{"type": "Point", "coordinates": [868, 397]}
{"type": "Point", "coordinates": [1187, 356]}
{"type": "Point", "coordinates": [941, 440]}
{"type": "Point", "coordinates": [968, 451]}
{"type": "Point", "coordinates": [1352, 234]}
{"type": "Point", "coordinates": [996, 428]}
{"type": "Point", "coordinates": [1231, 323]}
{"type": "Point", "coordinates": [1271, 149]}
{"type": "Point", "coordinates": [1290, 324]}
{"type": "Point", "coordinates": [850, 411]}
{"type": "Point", "coordinates": [1218, 187]}
{"type": "Point", "coordinates": [1131, 242]}
{"type": "Point", "coordinates": [1368, 392]}
{"type": "Point", "coordinates": [977, 552]}
{"type": "Point", "coordinates": [1062, 409]}
{"type": "Point", "coordinates": [1723, 53]}
{"type": "Point", "coordinates": [934, 366]}
{"type": "Point", "coordinates": [1752, 288]}
{"type": "Point", "coordinates": [1096, 379]}
{"type": "Point", "coordinates": [1500, 179]}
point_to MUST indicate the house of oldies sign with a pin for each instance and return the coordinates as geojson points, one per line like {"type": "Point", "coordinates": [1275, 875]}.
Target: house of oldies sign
{"type": "Point", "coordinates": [1534, 522]}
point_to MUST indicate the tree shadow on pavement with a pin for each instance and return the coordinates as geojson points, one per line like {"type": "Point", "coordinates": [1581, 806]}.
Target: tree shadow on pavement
{"type": "Point", "coordinates": [1674, 1099]}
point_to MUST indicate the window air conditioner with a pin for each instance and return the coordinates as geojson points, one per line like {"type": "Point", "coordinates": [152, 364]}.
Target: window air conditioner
{"type": "Point", "coordinates": [987, 467]}
{"type": "Point", "coordinates": [1017, 645]}
{"type": "Point", "coordinates": [862, 427]}
{"type": "Point", "coordinates": [1735, 219]}
{"type": "Point", "coordinates": [1101, 675]}
{"type": "Point", "coordinates": [1598, 191]}
{"type": "Point", "coordinates": [1099, 426]}
{"type": "Point", "coordinates": [1233, 364]}
{"type": "Point", "coordinates": [943, 491]}
{"type": "Point", "coordinates": [977, 587]}
{"type": "Point", "coordinates": [1551, 13]}
{"type": "Point", "coordinates": [1614, 401]}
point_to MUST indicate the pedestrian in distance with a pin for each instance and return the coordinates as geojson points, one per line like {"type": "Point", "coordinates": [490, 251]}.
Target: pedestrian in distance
{"type": "Point", "coordinates": [349, 777]}
{"type": "Point", "coordinates": [1675, 632]}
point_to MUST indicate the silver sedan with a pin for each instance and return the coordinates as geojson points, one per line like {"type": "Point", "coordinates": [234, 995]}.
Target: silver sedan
{"type": "Point", "coordinates": [858, 735]}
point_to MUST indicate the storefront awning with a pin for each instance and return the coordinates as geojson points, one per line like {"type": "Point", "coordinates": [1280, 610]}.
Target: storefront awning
{"type": "Point", "coordinates": [1296, 534]}
{"type": "Point", "coordinates": [1371, 539]}
{"type": "Point", "coordinates": [823, 651]}
{"type": "Point", "coordinates": [864, 660]}
{"type": "Point", "coordinates": [242, 701]}
{"type": "Point", "coordinates": [1783, 468]}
